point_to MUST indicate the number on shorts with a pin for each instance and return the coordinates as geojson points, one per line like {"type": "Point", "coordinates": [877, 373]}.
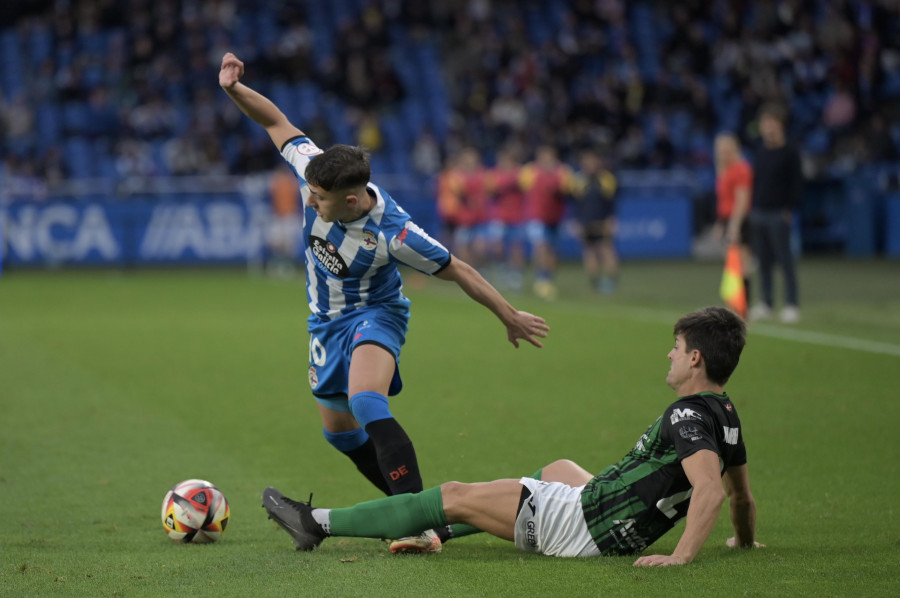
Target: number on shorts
{"type": "Point", "coordinates": [316, 352]}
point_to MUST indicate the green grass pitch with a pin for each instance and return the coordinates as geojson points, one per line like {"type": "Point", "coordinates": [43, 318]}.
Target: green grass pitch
{"type": "Point", "coordinates": [114, 386]}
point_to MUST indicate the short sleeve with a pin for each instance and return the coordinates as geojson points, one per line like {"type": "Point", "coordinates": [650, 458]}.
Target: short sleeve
{"type": "Point", "coordinates": [415, 248]}
{"type": "Point", "coordinates": [690, 429]}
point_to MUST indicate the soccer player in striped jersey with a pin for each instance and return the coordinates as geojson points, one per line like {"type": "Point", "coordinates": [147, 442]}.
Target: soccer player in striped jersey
{"type": "Point", "coordinates": [355, 237]}
{"type": "Point", "coordinates": [675, 471]}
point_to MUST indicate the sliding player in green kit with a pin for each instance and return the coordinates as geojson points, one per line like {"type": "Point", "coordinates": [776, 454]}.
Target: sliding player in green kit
{"type": "Point", "coordinates": [675, 470]}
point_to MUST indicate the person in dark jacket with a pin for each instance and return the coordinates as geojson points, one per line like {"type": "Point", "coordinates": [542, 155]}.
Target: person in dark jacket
{"type": "Point", "coordinates": [777, 191]}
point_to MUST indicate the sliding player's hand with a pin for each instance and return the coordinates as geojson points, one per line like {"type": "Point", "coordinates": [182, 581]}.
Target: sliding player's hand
{"type": "Point", "coordinates": [231, 72]}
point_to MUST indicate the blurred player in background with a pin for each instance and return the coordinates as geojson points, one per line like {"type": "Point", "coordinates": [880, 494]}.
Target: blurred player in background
{"type": "Point", "coordinates": [355, 236]}
{"type": "Point", "coordinates": [544, 182]}
{"type": "Point", "coordinates": [449, 200]}
{"type": "Point", "coordinates": [594, 189]}
{"type": "Point", "coordinates": [675, 471]}
{"type": "Point", "coordinates": [777, 193]}
{"type": "Point", "coordinates": [285, 229]}
{"type": "Point", "coordinates": [506, 233]}
{"type": "Point", "coordinates": [734, 186]}
{"type": "Point", "coordinates": [470, 240]}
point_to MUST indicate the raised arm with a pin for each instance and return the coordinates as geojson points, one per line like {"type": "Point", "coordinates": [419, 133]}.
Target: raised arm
{"type": "Point", "coordinates": [255, 105]}
{"type": "Point", "coordinates": [702, 470]}
{"type": "Point", "coordinates": [519, 324]}
{"type": "Point", "coordinates": [743, 508]}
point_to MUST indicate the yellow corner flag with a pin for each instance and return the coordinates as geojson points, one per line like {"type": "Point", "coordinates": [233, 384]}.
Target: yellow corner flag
{"type": "Point", "coordinates": [732, 288]}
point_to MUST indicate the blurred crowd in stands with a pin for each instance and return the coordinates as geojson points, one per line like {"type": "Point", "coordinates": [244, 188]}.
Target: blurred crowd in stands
{"type": "Point", "coordinates": [122, 88]}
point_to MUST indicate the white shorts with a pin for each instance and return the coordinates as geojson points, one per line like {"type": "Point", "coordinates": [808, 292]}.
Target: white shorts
{"type": "Point", "coordinates": [551, 521]}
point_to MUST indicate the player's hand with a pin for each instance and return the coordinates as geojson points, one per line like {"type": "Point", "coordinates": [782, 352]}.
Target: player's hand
{"type": "Point", "coordinates": [732, 543]}
{"type": "Point", "coordinates": [231, 72]}
{"type": "Point", "coordinates": [659, 560]}
{"type": "Point", "coordinates": [526, 326]}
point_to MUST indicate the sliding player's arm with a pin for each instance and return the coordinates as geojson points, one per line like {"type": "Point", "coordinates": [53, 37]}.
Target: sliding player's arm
{"type": "Point", "coordinates": [255, 105]}
{"type": "Point", "coordinates": [702, 470]}
{"type": "Point", "coordinates": [743, 508]}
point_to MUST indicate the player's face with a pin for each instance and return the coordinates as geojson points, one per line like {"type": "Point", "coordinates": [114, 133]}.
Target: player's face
{"type": "Point", "coordinates": [679, 363]}
{"type": "Point", "coordinates": [328, 205]}
{"type": "Point", "coordinates": [770, 128]}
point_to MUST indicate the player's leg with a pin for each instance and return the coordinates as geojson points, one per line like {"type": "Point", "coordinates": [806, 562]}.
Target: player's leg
{"type": "Point", "coordinates": [372, 369]}
{"type": "Point", "coordinates": [342, 431]}
{"type": "Point", "coordinates": [762, 248]}
{"type": "Point", "coordinates": [565, 471]}
{"type": "Point", "coordinates": [590, 260]}
{"type": "Point", "coordinates": [515, 242]}
{"type": "Point", "coordinates": [610, 260]}
{"type": "Point", "coordinates": [781, 242]}
{"type": "Point", "coordinates": [491, 506]}
{"type": "Point", "coordinates": [543, 258]}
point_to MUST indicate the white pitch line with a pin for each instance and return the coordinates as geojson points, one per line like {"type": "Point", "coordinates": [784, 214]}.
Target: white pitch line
{"type": "Point", "coordinates": [642, 314]}
{"type": "Point", "coordinates": [647, 314]}
{"type": "Point", "coordinates": [827, 340]}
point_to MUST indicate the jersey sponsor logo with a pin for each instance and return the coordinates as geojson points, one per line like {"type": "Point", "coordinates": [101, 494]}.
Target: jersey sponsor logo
{"type": "Point", "coordinates": [307, 149]}
{"type": "Point", "coordinates": [327, 255]}
{"type": "Point", "coordinates": [402, 236]}
{"type": "Point", "coordinates": [689, 433]}
{"type": "Point", "coordinates": [731, 434]}
{"type": "Point", "coordinates": [369, 240]}
{"type": "Point", "coordinates": [679, 415]}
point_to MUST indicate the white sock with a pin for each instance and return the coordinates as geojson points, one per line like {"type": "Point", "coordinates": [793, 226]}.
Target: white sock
{"type": "Point", "coordinates": [323, 518]}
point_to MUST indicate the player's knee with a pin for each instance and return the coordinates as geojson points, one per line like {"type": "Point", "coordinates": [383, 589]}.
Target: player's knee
{"type": "Point", "coordinates": [369, 406]}
{"type": "Point", "coordinates": [453, 495]}
{"type": "Point", "coordinates": [346, 441]}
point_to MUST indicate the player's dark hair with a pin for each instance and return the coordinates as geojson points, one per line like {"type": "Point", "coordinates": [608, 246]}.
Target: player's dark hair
{"type": "Point", "coordinates": [339, 168]}
{"type": "Point", "coordinates": [719, 334]}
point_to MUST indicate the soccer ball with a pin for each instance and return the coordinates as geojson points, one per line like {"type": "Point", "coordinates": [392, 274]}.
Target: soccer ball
{"type": "Point", "coordinates": [195, 511]}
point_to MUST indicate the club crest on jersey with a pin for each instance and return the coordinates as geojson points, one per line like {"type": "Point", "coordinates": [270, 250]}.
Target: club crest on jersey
{"type": "Point", "coordinates": [369, 240]}
{"type": "Point", "coordinates": [328, 257]}
{"type": "Point", "coordinates": [313, 377]}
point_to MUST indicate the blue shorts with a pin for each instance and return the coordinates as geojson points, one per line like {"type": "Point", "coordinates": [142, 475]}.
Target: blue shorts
{"type": "Point", "coordinates": [500, 232]}
{"type": "Point", "coordinates": [331, 344]}
{"type": "Point", "coordinates": [539, 232]}
{"type": "Point", "coordinates": [464, 235]}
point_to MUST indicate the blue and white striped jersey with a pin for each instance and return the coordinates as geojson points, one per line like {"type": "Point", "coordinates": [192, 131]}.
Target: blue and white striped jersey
{"type": "Point", "coordinates": [352, 265]}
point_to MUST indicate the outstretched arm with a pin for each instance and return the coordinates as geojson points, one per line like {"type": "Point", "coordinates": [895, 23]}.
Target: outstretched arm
{"type": "Point", "coordinates": [743, 508]}
{"type": "Point", "coordinates": [255, 105]}
{"type": "Point", "coordinates": [519, 324]}
{"type": "Point", "coordinates": [702, 470]}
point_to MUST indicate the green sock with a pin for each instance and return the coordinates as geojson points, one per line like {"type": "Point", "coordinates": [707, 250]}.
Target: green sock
{"type": "Point", "coordinates": [461, 529]}
{"type": "Point", "coordinates": [392, 517]}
